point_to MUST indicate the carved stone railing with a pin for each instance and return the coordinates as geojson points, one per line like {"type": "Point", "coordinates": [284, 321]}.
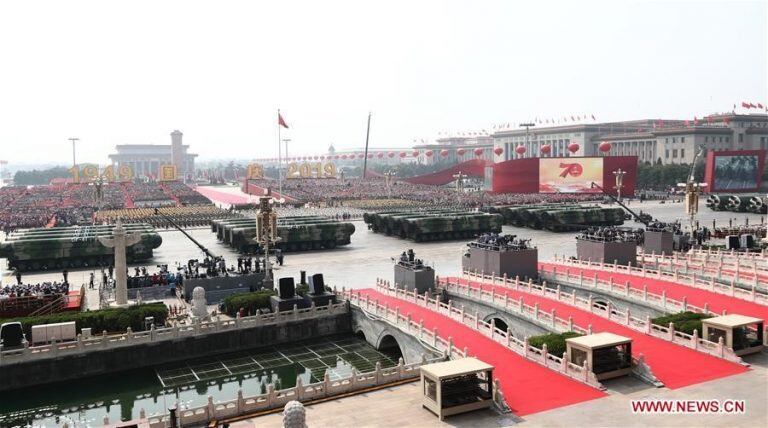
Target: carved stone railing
{"type": "Point", "coordinates": [754, 294]}
{"type": "Point", "coordinates": [531, 313]}
{"type": "Point", "coordinates": [746, 273]}
{"type": "Point", "coordinates": [130, 338]}
{"type": "Point", "coordinates": [272, 399]}
{"type": "Point", "coordinates": [610, 312]}
{"type": "Point", "coordinates": [556, 363]}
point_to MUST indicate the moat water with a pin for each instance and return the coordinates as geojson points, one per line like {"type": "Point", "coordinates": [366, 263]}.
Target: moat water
{"type": "Point", "coordinates": [121, 396]}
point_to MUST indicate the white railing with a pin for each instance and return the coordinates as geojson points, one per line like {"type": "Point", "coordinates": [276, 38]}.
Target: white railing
{"type": "Point", "coordinates": [739, 272]}
{"type": "Point", "coordinates": [272, 399]}
{"type": "Point", "coordinates": [556, 363]}
{"type": "Point", "coordinates": [625, 291]}
{"type": "Point", "coordinates": [130, 338]}
{"type": "Point", "coordinates": [692, 280]}
{"type": "Point", "coordinates": [761, 256]}
{"type": "Point", "coordinates": [610, 312]}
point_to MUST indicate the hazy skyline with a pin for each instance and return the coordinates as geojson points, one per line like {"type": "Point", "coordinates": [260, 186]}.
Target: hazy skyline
{"type": "Point", "coordinates": [131, 72]}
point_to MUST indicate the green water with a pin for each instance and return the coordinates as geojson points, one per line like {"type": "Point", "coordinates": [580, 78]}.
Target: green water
{"type": "Point", "coordinates": [121, 395]}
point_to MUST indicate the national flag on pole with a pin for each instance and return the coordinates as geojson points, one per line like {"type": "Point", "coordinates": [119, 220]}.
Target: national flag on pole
{"type": "Point", "coordinates": [752, 105]}
{"type": "Point", "coordinates": [593, 117]}
{"type": "Point", "coordinates": [281, 121]}
{"type": "Point", "coordinates": [745, 104]}
{"type": "Point", "coordinates": [760, 106]}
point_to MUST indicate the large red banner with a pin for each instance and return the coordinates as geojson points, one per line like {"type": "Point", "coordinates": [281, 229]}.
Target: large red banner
{"type": "Point", "coordinates": [544, 175]}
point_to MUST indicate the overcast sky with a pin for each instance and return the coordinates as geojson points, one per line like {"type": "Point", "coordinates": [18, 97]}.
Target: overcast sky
{"type": "Point", "coordinates": [131, 72]}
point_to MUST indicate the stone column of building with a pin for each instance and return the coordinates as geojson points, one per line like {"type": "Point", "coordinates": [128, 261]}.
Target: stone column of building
{"type": "Point", "coordinates": [119, 241]}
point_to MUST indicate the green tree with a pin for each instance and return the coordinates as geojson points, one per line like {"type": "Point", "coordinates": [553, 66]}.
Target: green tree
{"type": "Point", "coordinates": [44, 176]}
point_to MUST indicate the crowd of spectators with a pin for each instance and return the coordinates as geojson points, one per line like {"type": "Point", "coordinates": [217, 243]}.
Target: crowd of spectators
{"type": "Point", "coordinates": [43, 289]}
{"type": "Point", "coordinates": [185, 194]}
{"type": "Point", "coordinates": [67, 204]}
{"type": "Point", "coordinates": [375, 194]}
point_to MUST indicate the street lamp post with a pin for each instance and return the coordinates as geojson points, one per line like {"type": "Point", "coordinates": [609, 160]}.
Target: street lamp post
{"type": "Point", "coordinates": [388, 182]}
{"type": "Point", "coordinates": [459, 176]}
{"type": "Point", "coordinates": [528, 126]}
{"type": "Point", "coordinates": [266, 230]}
{"type": "Point", "coordinates": [619, 174]}
{"type": "Point", "coordinates": [74, 140]}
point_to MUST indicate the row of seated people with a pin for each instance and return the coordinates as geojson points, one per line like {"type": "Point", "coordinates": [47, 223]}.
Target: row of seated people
{"type": "Point", "coordinates": [42, 289]}
{"type": "Point", "coordinates": [71, 204]}
{"type": "Point", "coordinates": [185, 194]}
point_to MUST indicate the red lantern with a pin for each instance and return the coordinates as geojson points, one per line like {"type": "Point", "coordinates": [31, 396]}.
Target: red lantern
{"type": "Point", "coordinates": [361, 155]}
{"type": "Point", "coordinates": [498, 151]}
{"type": "Point", "coordinates": [380, 155]}
{"type": "Point", "coordinates": [605, 147]}
{"type": "Point", "coordinates": [370, 155]}
{"type": "Point", "coordinates": [460, 152]}
{"type": "Point", "coordinates": [443, 153]}
{"type": "Point", "coordinates": [344, 156]}
{"type": "Point", "coordinates": [415, 153]}
{"type": "Point", "coordinates": [403, 154]}
{"type": "Point", "coordinates": [546, 149]}
{"type": "Point", "coordinates": [336, 157]}
{"type": "Point", "coordinates": [322, 157]}
{"type": "Point", "coordinates": [428, 153]}
{"type": "Point", "coordinates": [391, 154]}
{"type": "Point", "coordinates": [573, 147]}
{"type": "Point", "coordinates": [478, 152]}
{"type": "Point", "coordinates": [520, 150]}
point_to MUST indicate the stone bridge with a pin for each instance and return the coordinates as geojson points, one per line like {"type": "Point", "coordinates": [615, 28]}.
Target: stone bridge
{"type": "Point", "coordinates": [602, 297]}
{"type": "Point", "coordinates": [385, 337]}
{"type": "Point", "coordinates": [520, 327]}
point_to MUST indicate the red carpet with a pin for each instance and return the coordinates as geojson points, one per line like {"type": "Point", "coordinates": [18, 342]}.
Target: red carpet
{"type": "Point", "coordinates": [527, 386]}
{"type": "Point", "coordinates": [664, 358]}
{"type": "Point", "coordinates": [695, 296]}
{"type": "Point", "coordinates": [74, 302]}
{"type": "Point", "coordinates": [221, 197]}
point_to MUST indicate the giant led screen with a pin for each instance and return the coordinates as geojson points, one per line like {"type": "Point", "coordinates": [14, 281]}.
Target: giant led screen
{"type": "Point", "coordinates": [736, 172]}
{"type": "Point", "coordinates": [570, 175]}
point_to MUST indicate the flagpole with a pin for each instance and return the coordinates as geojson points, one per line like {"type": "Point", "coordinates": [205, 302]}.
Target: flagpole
{"type": "Point", "coordinates": [365, 157]}
{"type": "Point", "coordinates": [279, 157]}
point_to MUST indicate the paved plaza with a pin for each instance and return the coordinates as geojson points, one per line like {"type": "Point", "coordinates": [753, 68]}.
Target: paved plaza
{"type": "Point", "coordinates": [401, 406]}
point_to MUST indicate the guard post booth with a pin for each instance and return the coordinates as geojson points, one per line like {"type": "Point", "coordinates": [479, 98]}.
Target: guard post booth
{"type": "Point", "coordinates": [457, 386]}
{"type": "Point", "coordinates": [745, 335]}
{"type": "Point", "coordinates": [608, 355]}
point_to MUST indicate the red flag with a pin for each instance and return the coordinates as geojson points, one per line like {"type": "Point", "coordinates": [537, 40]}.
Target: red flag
{"type": "Point", "coordinates": [686, 123]}
{"type": "Point", "coordinates": [752, 105]}
{"type": "Point", "coordinates": [759, 105]}
{"type": "Point", "coordinates": [593, 117]}
{"type": "Point", "coordinates": [281, 121]}
{"type": "Point", "coordinates": [695, 121]}
{"type": "Point", "coordinates": [745, 104]}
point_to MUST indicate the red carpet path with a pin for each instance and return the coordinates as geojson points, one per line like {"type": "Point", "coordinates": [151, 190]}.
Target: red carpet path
{"type": "Point", "coordinates": [221, 197]}
{"type": "Point", "coordinates": [695, 296]}
{"type": "Point", "coordinates": [674, 365]}
{"type": "Point", "coordinates": [527, 386]}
